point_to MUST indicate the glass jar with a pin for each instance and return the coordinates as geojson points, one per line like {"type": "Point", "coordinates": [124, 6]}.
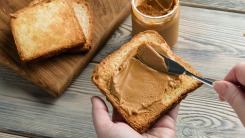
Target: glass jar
{"type": "Point", "coordinates": [166, 25]}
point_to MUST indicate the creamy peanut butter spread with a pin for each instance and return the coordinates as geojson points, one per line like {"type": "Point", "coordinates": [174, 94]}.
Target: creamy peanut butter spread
{"type": "Point", "coordinates": [150, 57]}
{"type": "Point", "coordinates": [155, 7]}
{"type": "Point", "coordinates": [138, 86]}
{"type": "Point", "coordinates": [159, 15]}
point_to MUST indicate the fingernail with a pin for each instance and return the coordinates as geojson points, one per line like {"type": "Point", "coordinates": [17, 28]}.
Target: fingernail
{"type": "Point", "coordinates": [220, 88]}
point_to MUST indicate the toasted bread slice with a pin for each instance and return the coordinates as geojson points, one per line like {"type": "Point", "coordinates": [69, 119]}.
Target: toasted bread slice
{"type": "Point", "coordinates": [46, 29]}
{"type": "Point", "coordinates": [84, 16]}
{"type": "Point", "coordinates": [104, 72]}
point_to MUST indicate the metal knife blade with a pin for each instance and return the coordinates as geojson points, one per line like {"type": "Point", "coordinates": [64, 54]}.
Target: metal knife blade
{"type": "Point", "coordinates": [175, 68]}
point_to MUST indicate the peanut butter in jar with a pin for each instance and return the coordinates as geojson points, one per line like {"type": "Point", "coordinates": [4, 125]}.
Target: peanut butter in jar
{"type": "Point", "coordinates": [159, 15]}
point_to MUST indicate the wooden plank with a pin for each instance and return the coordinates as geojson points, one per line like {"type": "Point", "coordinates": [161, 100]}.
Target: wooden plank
{"type": "Point", "coordinates": [21, 88]}
{"type": "Point", "coordinates": [28, 110]}
{"type": "Point", "coordinates": [56, 74]}
{"type": "Point", "coordinates": [12, 85]}
{"type": "Point", "coordinates": [5, 135]}
{"type": "Point", "coordinates": [202, 115]}
{"type": "Point", "coordinates": [44, 120]}
{"type": "Point", "coordinates": [119, 37]}
{"type": "Point", "coordinates": [222, 5]}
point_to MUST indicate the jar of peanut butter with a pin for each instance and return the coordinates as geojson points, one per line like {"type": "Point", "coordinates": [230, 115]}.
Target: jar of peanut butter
{"type": "Point", "coordinates": [159, 15]}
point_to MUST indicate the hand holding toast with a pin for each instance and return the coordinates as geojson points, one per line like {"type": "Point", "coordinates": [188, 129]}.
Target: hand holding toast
{"type": "Point", "coordinates": [232, 89]}
{"type": "Point", "coordinates": [107, 128]}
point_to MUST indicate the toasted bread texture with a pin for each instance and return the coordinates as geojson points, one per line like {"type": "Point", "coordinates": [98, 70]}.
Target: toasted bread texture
{"type": "Point", "coordinates": [104, 72]}
{"type": "Point", "coordinates": [84, 16]}
{"type": "Point", "coordinates": [45, 29]}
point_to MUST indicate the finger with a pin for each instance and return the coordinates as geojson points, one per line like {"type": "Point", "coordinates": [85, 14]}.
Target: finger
{"type": "Point", "coordinates": [233, 95]}
{"type": "Point", "coordinates": [174, 112]}
{"type": "Point", "coordinates": [116, 117]}
{"type": "Point", "coordinates": [101, 118]}
{"type": "Point", "coordinates": [221, 99]}
{"type": "Point", "coordinates": [237, 74]}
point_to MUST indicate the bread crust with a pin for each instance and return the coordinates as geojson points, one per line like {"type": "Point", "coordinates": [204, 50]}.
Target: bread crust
{"type": "Point", "coordinates": [79, 36]}
{"type": "Point", "coordinates": [104, 71]}
{"type": "Point", "coordinates": [88, 42]}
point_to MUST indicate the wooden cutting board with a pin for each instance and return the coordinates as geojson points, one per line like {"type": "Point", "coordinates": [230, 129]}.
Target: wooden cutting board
{"type": "Point", "coordinates": [54, 75]}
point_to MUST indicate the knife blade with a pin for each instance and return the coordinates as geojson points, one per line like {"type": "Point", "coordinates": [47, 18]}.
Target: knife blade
{"type": "Point", "coordinates": [175, 68]}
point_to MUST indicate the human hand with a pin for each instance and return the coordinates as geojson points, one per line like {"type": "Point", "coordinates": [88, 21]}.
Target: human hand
{"type": "Point", "coordinates": [107, 128]}
{"type": "Point", "coordinates": [232, 90]}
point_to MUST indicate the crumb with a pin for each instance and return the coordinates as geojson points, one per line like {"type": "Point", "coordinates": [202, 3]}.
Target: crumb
{"type": "Point", "coordinates": [244, 34]}
{"type": "Point", "coordinates": [4, 10]}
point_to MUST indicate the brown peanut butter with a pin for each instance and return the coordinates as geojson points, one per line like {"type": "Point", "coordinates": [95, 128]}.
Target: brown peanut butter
{"type": "Point", "coordinates": [151, 58]}
{"type": "Point", "coordinates": [138, 86]}
{"type": "Point", "coordinates": [159, 15]}
{"type": "Point", "coordinates": [155, 7]}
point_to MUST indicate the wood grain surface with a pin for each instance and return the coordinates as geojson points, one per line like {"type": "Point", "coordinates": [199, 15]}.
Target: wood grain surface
{"type": "Point", "coordinates": [5, 135]}
{"type": "Point", "coordinates": [222, 5]}
{"type": "Point", "coordinates": [56, 74]}
{"type": "Point", "coordinates": [210, 40]}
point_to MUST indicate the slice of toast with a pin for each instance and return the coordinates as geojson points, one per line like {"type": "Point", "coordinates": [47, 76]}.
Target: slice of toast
{"type": "Point", "coordinates": [84, 16]}
{"type": "Point", "coordinates": [45, 29]}
{"type": "Point", "coordinates": [104, 72]}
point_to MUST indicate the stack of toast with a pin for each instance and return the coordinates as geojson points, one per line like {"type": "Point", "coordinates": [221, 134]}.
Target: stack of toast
{"type": "Point", "coordinates": [49, 27]}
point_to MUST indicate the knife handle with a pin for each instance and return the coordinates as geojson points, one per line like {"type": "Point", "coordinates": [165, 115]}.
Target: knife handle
{"type": "Point", "coordinates": [206, 81]}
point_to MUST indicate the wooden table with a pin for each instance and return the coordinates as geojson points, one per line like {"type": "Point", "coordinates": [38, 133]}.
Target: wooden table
{"type": "Point", "coordinates": [211, 40]}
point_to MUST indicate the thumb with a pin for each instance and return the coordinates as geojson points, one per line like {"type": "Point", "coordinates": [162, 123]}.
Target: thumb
{"type": "Point", "coordinates": [233, 95]}
{"type": "Point", "coordinates": [101, 118]}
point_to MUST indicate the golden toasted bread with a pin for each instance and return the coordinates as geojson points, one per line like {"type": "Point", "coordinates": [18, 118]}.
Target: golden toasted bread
{"type": "Point", "coordinates": [84, 16]}
{"type": "Point", "coordinates": [45, 29]}
{"type": "Point", "coordinates": [105, 71]}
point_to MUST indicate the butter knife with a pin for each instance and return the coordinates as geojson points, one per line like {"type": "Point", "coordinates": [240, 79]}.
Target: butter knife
{"type": "Point", "coordinates": [175, 68]}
